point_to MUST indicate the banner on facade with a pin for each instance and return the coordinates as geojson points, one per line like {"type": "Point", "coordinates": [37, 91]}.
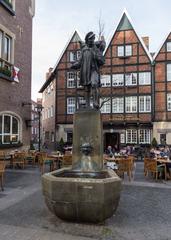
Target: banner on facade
{"type": "Point", "coordinates": [16, 74]}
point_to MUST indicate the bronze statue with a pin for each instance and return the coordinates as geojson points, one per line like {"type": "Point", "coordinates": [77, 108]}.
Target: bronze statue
{"type": "Point", "coordinates": [90, 61]}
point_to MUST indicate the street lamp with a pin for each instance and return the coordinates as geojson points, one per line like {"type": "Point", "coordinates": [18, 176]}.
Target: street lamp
{"type": "Point", "coordinates": [39, 110]}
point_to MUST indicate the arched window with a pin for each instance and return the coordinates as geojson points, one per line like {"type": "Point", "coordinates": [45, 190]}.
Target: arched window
{"type": "Point", "coordinates": [9, 129]}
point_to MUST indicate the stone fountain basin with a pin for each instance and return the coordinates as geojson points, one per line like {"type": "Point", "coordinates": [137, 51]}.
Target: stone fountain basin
{"type": "Point", "coordinates": [82, 196]}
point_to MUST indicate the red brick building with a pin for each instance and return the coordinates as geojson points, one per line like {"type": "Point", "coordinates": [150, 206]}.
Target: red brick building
{"type": "Point", "coordinates": [162, 101]}
{"type": "Point", "coordinates": [15, 71]}
{"type": "Point", "coordinates": [130, 79]}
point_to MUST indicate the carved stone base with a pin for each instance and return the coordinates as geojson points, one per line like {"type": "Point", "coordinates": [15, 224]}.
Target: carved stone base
{"type": "Point", "coordinates": [82, 197]}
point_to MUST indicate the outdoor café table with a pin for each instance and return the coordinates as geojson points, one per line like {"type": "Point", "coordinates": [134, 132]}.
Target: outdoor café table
{"type": "Point", "coordinates": [164, 161]}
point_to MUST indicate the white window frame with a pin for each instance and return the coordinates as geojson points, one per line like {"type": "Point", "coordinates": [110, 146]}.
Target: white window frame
{"type": "Point", "coordinates": [7, 48]}
{"type": "Point", "coordinates": [32, 116]}
{"type": "Point", "coordinates": [74, 55]}
{"type": "Point", "coordinates": [169, 102]}
{"type": "Point", "coordinates": [120, 51]}
{"type": "Point", "coordinates": [118, 80]}
{"type": "Point", "coordinates": [51, 111]}
{"type": "Point", "coordinates": [10, 134]}
{"type": "Point", "coordinates": [168, 72]}
{"type": "Point", "coordinates": [9, 59]}
{"type": "Point", "coordinates": [71, 105]}
{"type": "Point", "coordinates": [122, 137]}
{"type": "Point", "coordinates": [78, 80]}
{"type": "Point", "coordinates": [131, 79]}
{"type": "Point", "coordinates": [168, 44]}
{"type": "Point", "coordinates": [117, 105]}
{"type": "Point", "coordinates": [145, 103]}
{"type": "Point", "coordinates": [145, 78]}
{"type": "Point", "coordinates": [131, 104]}
{"type": "Point", "coordinates": [105, 80]}
{"type": "Point", "coordinates": [48, 90]}
{"type": "Point", "coordinates": [124, 50]}
{"type": "Point", "coordinates": [131, 136]}
{"type": "Point", "coordinates": [32, 130]}
{"type": "Point", "coordinates": [80, 100]}
{"type": "Point", "coordinates": [71, 79]}
{"type": "Point", "coordinates": [106, 108]}
{"type": "Point", "coordinates": [144, 136]}
{"type": "Point", "coordinates": [128, 50]}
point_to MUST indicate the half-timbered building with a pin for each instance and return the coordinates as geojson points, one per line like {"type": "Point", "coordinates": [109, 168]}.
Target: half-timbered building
{"type": "Point", "coordinates": [162, 98]}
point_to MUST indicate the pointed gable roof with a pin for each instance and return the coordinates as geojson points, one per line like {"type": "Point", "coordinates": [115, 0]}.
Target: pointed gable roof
{"type": "Point", "coordinates": [161, 45]}
{"type": "Point", "coordinates": [125, 23]}
{"type": "Point", "coordinates": [75, 37]}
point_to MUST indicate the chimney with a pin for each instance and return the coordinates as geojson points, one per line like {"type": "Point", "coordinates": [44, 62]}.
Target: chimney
{"type": "Point", "coordinates": [146, 41]}
{"type": "Point", "coordinates": [49, 72]}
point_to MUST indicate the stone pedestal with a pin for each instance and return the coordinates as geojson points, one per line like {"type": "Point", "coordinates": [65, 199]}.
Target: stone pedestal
{"type": "Point", "coordinates": [88, 130]}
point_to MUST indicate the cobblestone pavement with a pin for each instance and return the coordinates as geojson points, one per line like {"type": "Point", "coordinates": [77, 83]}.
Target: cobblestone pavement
{"type": "Point", "coordinates": [144, 212]}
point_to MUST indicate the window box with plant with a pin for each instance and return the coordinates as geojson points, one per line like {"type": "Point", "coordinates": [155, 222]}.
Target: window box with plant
{"type": "Point", "coordinates": [5, 73]}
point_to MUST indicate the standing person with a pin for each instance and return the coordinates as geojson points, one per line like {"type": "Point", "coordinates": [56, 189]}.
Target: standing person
{"type": "Point", "coordinates": [89, 63]}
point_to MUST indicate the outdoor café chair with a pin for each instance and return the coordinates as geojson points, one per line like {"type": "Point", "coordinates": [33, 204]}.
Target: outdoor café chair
{"type": "Point", "coordinates": [150, 166]}
{"type": "Point", "coordinates": [19, 159]}
{"type": "Point", "coordinates": [124, 166]}
{"type": "Point", "coordinates": [2, 155]}
{"type": "Point", "coordinates": [67, 160]}
{"type": "Point", "coordinates": [44, 160]}
{"type": "Point", "coordinates": [2, 171]}
{"type": "Point", "coordinates": [30, 158]}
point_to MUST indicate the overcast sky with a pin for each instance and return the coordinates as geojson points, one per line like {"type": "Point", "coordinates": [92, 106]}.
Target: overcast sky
{"type": "Point", "coordinates": [55, 21]}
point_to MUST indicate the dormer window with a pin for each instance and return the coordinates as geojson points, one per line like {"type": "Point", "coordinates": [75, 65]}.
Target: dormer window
{"type": "Point", "coordinates": [124, 51]}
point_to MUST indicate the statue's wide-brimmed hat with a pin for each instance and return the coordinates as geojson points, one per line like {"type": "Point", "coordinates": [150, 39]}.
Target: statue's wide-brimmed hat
{"type": "Point", "coordinates": [89, 35]}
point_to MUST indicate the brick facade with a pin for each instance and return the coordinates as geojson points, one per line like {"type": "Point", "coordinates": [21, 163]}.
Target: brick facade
{"type": "Point", "coordinates": [15, 97]}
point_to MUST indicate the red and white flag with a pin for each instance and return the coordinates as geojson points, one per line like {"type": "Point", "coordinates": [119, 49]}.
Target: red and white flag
{"type": "Point", "coordinates": [16, 74]}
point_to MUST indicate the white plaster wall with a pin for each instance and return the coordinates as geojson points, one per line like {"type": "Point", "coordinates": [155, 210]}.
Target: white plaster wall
{"type": "Point", "coordinates": [162, 127]}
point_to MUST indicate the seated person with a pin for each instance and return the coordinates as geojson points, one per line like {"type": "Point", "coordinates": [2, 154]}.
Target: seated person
{"type": "Point", "coordinates": [109, 151]}
{"type": "Point", "coordinates": [152, 153]}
